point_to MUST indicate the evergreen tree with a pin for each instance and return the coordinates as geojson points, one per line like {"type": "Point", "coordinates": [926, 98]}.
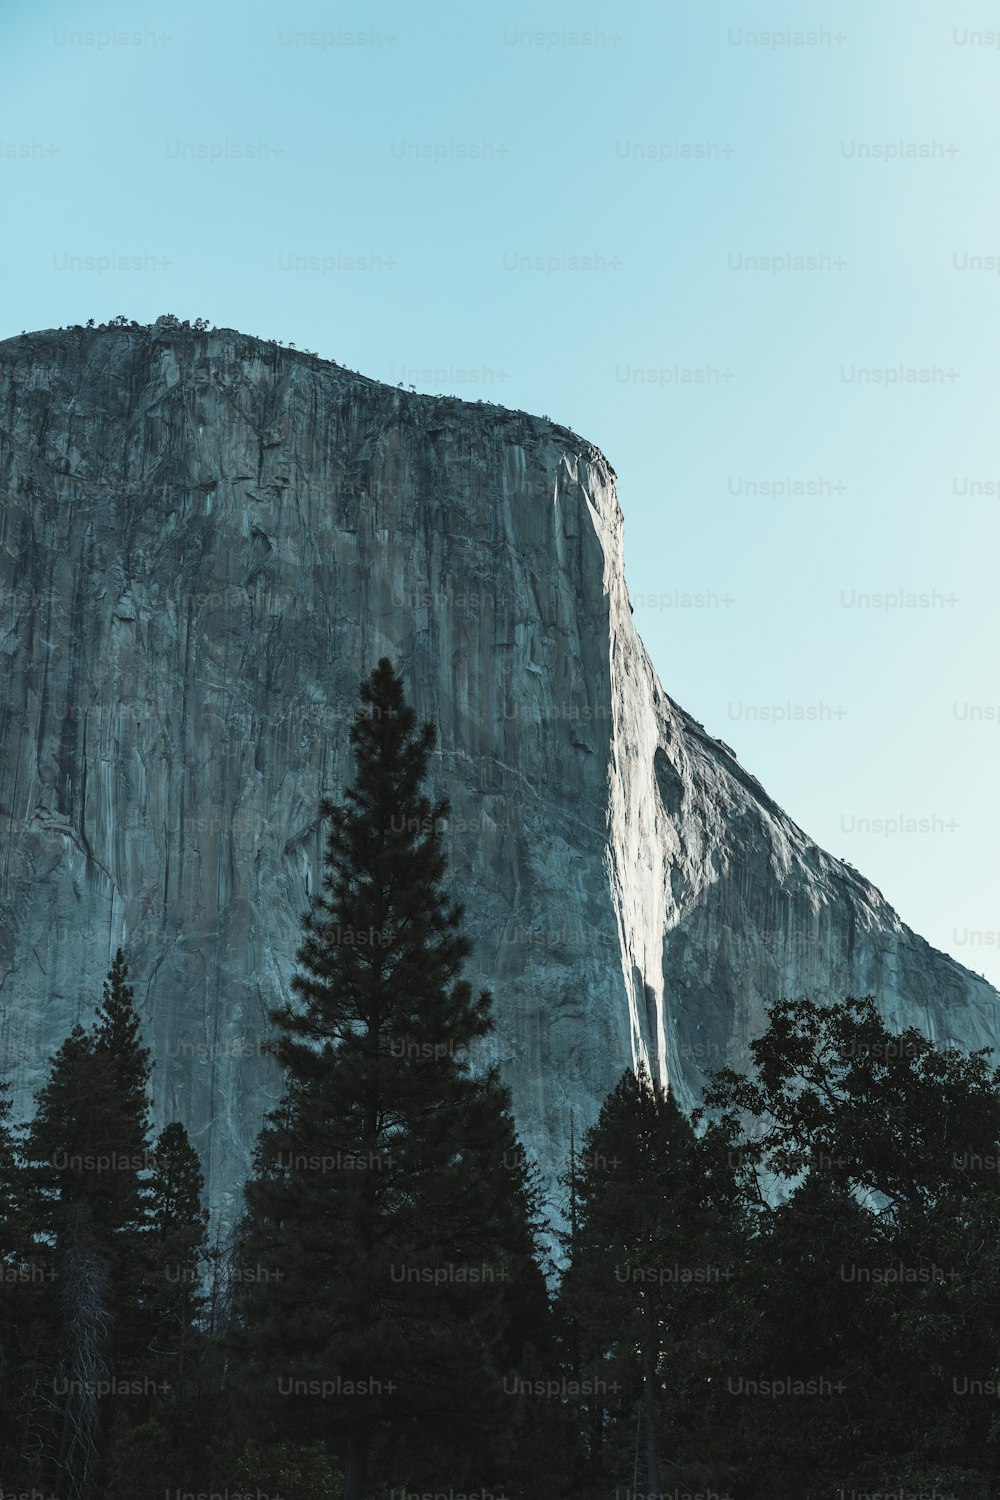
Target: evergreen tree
{"type": "Point", "coordinates": [788, 1403]}
{"type": "Point", "coordinates": [68, 1156]}
{"type": "Point", "coordinates": [124, 1109]}
{"type": "Point", "coordinates": [385, 1247]}
{"type": "Point", "coordinates": [173, 1254]}
{"type": "Point", "coordinates": [22, 1273]}
{"type": "Point", "coordinates": [15, 1230]}
{"type": "Point", "coordinates": [179, 1249]}
{"type": "Point", "coordinates": [90, 1162]}
{"type": "Point", "coordinates": [90, 1139]}
{"type": "Point", "coordinates": [650, 1255]}
{"type": "Point", "coordinates": [168, 1448]}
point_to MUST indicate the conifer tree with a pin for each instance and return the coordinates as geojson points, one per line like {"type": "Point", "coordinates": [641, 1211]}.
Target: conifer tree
{"type": "Point", "coordinates": [90, 1138]}
{"type": "Point", "coordinates": [159, 1339]}
{"type": "Point", "coordinates": [15, 1236]}
{"type": "Point", "coordinates": [385, 1247]}
{"type": "Point", "coordinates": [123, 1107]}
{"type": "Point", "coordinates": [164, 1446]}
{"type": "Point", "coordinates": [88, 1153]}
{"type": "Point", "coordinates": [109, 1236]}
{"type": "Point", "coordinates": [22, 1270]}
{"type": "Point", "coordinates": [178, 1253]}
{"type": "Point", "coordinates": [650, 1250]}
{"type": "Point", "coordinates": [73, 1197]}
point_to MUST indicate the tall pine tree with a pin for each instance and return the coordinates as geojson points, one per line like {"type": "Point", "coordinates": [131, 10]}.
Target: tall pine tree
{"type": "Point", "coordinates": [23, 1273]}
{"type": "Point", "coordinates": [166, 1448]}
{"type": "Point", "coordinates": [101, 1206]}
{"type": "Point", "coordinates": [387, 1247]}
{"type": "Point", "coordinates": [77, 1198]}
{"type": "Point", "coordinates": [651, 1250]}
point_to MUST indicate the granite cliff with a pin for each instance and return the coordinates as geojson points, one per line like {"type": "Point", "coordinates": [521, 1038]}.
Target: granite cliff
{"type": "Point", "coordinates": [206, 541]}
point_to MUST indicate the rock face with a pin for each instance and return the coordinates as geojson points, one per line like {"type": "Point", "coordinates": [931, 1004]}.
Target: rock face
{"type": "Point", "coordinates": [207, 542]}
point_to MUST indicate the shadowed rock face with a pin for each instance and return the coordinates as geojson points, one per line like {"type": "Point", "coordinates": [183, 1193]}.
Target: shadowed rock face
{"type": "Point", "coordinates": [206, 542]}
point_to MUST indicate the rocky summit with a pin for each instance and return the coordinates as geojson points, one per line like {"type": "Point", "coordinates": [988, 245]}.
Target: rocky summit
{"type": "Point", "coordinates": [208, 540]}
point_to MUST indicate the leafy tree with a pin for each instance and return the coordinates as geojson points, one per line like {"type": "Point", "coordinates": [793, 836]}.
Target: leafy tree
{"type": "Point", "coordinates": [385, 1250]}
{"type": "Point", "coordinates": [881, 1271]}
{"type": "Point", "coordinates": [887, 1114]}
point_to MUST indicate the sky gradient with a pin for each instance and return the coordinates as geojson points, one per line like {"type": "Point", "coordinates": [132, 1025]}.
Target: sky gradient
{"type": "Point", "coordinates": [752, 254]}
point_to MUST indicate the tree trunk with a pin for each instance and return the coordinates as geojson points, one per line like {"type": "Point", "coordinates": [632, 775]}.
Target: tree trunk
{"type": "Point", "coordinates": [650, 1346]}
{"type": "Point", "coordinates": [85, 1292]}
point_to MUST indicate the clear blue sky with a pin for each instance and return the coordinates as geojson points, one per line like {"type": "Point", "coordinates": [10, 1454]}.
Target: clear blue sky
{"type": "Point", "coordinates": [455, 146]}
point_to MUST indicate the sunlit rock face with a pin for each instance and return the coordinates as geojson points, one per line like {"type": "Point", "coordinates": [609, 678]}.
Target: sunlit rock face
{"type": "Point", "coordinates": [207, 542]}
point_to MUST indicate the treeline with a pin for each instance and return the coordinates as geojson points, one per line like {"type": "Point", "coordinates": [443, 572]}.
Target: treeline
{"type": "Point", "coordinates": [794, 1294]}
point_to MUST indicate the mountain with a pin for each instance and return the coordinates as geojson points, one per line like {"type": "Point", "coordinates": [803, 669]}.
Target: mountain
{"type": "Point", "coordinates": [207, 541]}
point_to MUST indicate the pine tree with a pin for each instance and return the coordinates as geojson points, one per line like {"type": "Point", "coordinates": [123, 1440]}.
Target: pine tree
{"type": "Point", "coordinates": [89, 1160]}
{"type": "Point", "coordinates": [385, 1247]}
{"type": "Point", "coordinates": [167, 1448]}
{"type": "Point", "coordinates": [124, 1109]}
{"type": "Point", "coordinates": [179, 1233]}
{"type": "Point", "coordinates": [178, 1252]}
{"type": "Point", "coordinates": [110, 1235]}
{"type": "Point", "coordinates": [22, 1273]}
{"type": "Point", "coordinates": [116, 1032]}
{"type": "Point", "coordinates": [650, 1251]}
{"type": "Point", "coordinates": [15, 1235]}
{"type": "Point", "coordinates": [90, 1138]}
